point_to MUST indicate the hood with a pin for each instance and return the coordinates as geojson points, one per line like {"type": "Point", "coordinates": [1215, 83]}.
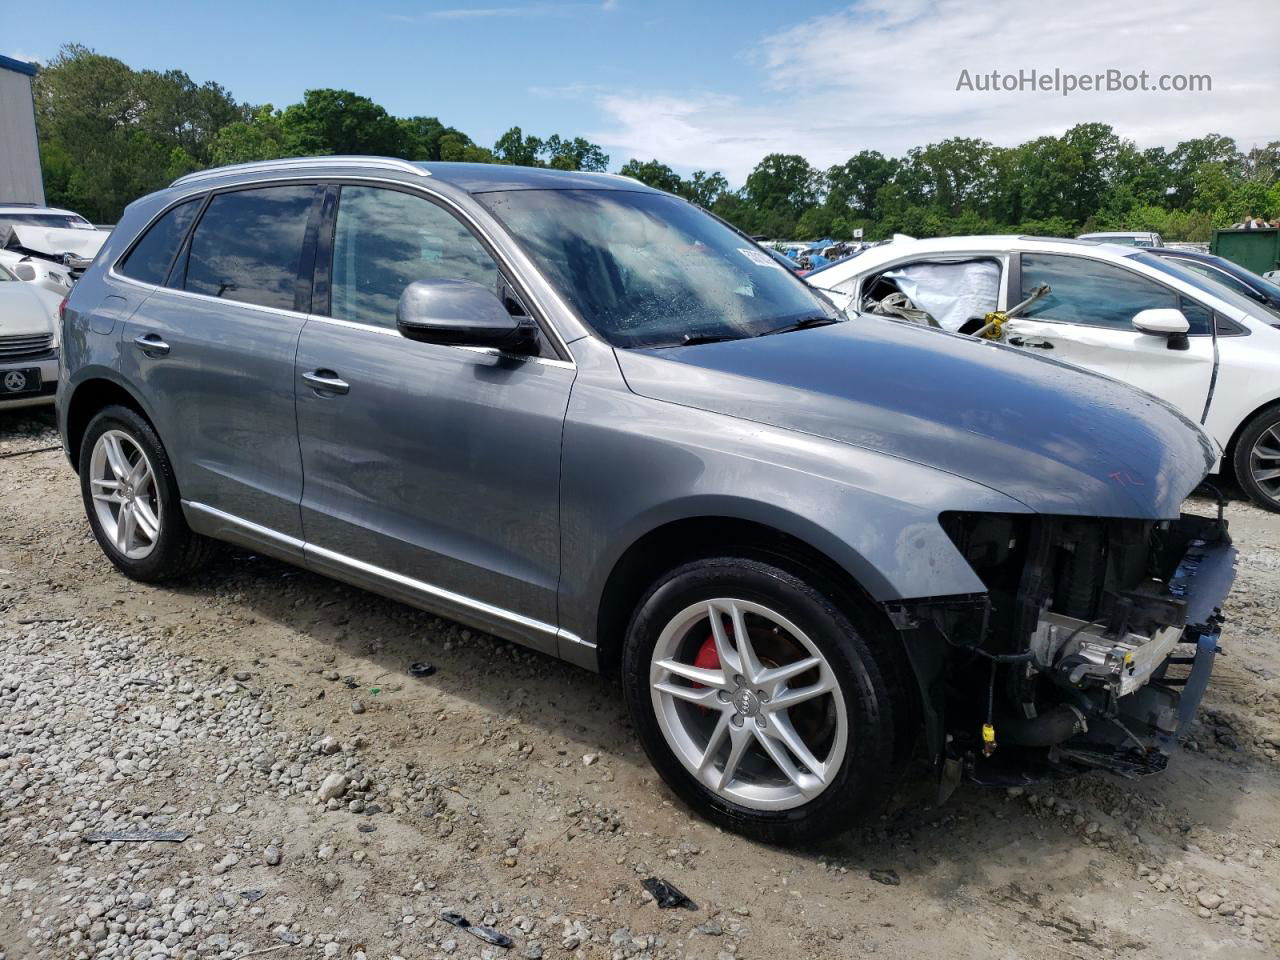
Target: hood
{"type": "Point", "coordinates": [26, 310]}
{"type": "Point", "coordinates": [1059, 439]}
{"type": "Point", "coordinates": [55, 241]}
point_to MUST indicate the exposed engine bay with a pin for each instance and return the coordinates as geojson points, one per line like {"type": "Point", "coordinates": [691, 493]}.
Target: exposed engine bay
{"type": "Point", "coordinates": [1091, 648]}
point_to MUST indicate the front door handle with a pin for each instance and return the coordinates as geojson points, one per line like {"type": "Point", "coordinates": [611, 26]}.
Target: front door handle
{"type": "Point", "coordinates": [1038, 344]}
{"type": "Point", "coordinates": [326, 383]}
{"type": "Point", "coordinates": [151, 345]}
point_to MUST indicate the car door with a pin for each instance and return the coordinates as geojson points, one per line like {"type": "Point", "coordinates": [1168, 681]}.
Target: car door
{"type": "Point", "coordinates": [431, 472]}
{"type": "Point", "coordinates": [1087, 320]}
{"type": "Point", "coordinates": [213, 353]}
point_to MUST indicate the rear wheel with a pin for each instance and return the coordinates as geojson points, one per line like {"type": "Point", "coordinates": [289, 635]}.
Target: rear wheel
{"type": "Point", "coordinates": [1257, 459]}
{"type": "Point", "coordinates": [759, 702]}
{"type": "Point", "coordinates": [132, 500]}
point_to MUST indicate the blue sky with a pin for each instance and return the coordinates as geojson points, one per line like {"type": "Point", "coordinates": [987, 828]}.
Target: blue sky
{"type": "Point", "coordinates": [707, 85]}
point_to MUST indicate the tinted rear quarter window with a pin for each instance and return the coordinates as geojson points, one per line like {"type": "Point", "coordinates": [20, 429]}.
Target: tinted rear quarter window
{"type": "Point", "coordinates": [248, 244]}
{"type": "Point", "coordinates": [150, 259]}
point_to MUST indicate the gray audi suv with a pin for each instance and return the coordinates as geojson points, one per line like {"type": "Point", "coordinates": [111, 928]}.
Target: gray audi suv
{"type": "Point", "coordinates": [591, 418]}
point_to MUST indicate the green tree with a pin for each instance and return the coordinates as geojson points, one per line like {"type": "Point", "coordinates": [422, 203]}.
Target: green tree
{"type": "Point", "coordinates": [575, 154]}
{"type": "Point", "coordinates": [340, 122]}
{"type": "Point", "coordinates": [516, 148]}
{"type": "Point", "coordinates": [852, 186]}
{"type": "Point", "coordinates": [653, 174]}
{"type": "Point", "coordinates": [781, 187]}
{"type": "Point", "coordinates": [703, 188]}
{"type": "Point", "coordinates": [260, 137]}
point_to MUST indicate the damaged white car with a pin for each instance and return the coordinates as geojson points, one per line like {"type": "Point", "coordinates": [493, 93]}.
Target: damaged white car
{"type": "Point", "coordinates": [29, 343]}
{"type": "Point", "coordinates": [1121, 311]}
{"type": "Point", "coordinates": [47, 246]}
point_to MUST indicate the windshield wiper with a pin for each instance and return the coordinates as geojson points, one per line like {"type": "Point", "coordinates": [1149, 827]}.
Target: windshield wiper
{"type": "Point", "coordinates": [693, 339]}
{"type": "Point", "coordinates": [804, 324]}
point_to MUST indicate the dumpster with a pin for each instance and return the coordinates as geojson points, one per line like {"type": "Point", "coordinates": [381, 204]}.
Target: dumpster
{"type": "Point", "coordinates": [1256, 250]}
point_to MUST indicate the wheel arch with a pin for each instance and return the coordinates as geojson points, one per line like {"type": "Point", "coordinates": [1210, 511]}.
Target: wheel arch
{"type": "Point", "coordinates": [679, 541]}
{"type": "Point", "coordinates": [1229, 451]}
{"type": "Point", "coordinates": [88, 397]}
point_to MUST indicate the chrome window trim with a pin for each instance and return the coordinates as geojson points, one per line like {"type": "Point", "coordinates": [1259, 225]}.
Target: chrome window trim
{"type": "Point", "coordinates": [452, 205]}
{"type": "Point", "coordinates": [388, 576]}
{"type": "Point", "coordinates": [189, 295]}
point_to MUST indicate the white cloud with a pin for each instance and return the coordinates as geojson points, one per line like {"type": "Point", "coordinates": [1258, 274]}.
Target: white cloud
{"type": "Point", "coordinates": [528, 10]}
{"type": "Point", "coordinates": [882, 75]}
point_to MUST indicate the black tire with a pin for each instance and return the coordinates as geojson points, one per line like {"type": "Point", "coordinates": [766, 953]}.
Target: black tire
{"type": "Point", "coordinates": [877, 707]}
{"type": "Point", "coordinates": [1249, 435]}
{"type": "Point", "coordinates": [178, 551]}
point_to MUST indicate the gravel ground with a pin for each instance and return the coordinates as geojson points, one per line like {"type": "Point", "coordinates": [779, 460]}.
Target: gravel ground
{"type": "Point", "coordinates": [333, 805]}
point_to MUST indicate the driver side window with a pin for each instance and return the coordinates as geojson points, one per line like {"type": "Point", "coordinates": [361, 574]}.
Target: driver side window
{"type": "Point", "coordinates": [1096, 294]}
{"type": "Point", "coordinates": [385, 239]}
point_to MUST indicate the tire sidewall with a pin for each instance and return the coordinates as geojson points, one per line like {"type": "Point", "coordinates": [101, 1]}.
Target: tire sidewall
{"type": "Point", "coordinates": [1243, 450]}
{"type": "Point", "coordinates": [864, 774]}
{"type": "Point", "coordinates": [173, 528]}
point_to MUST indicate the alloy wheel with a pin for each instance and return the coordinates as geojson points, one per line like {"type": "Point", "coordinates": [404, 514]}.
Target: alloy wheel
{"type": "Point", "coordinates": [749, 704]}
{"type": "Point", "coordinates": [1264, 461]}
{"type": "Point", "coordinates": [125, 499]}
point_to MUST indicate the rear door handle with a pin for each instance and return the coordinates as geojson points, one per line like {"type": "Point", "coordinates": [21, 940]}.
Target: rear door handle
{"type": "Point", "coordinates": [1038, 344]}
{"type": "Point", "coordinates": [325, 382]}
{"type": "Point", "coordinates": [151, 345]}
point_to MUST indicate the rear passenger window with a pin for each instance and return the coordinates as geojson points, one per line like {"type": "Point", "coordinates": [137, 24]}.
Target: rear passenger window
{"type": "Point", "coordinates": [150, 260]}
{"type": "Point", "coordinates": [384, 240]}
{"type": "Point", "coordinates": [248, 244]}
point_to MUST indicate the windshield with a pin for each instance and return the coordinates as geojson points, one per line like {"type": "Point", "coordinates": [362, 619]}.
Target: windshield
{"type": "Point", "coordinates": [67, 221]}
{"type": "Point", "coordinates": [647, 270]}
{"type": "Point", "coordinates": [1236, 274]}
{"type": "Point", "coordinates": [1200, 282]}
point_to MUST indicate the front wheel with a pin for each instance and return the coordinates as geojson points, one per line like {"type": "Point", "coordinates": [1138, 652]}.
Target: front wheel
{"type": "Point", "coordinates": [1257, 459]}
{"type": "Point", "coordinates": [759, 702]}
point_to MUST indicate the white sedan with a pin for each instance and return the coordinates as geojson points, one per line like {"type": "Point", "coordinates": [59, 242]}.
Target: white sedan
{"type": "Point", "coordinates": [1121, 311]}
{"type": "Point", "coordinates": [28, 342]}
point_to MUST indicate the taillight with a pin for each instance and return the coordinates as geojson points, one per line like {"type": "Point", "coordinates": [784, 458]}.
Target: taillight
{"type": "Point", "coordinates": [62, 309]}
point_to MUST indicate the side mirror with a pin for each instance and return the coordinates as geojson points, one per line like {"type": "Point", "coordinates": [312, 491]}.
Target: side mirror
{"type": "Point", "coordinates": [24, 271]}
{"type": "Point", "coordinates": [463, 314]}
{"type": "Point", "coordinates": [1163, 322]}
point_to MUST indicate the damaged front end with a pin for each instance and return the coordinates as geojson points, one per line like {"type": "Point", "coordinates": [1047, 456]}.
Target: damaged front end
{"type": "Point", "coordinates": [1091, 648]}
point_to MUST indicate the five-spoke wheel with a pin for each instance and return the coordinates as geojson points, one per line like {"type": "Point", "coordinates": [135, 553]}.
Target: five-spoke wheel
{"type": "Point", "coordinates": [132, 501]}
{"type": "Point", "coordinates": [123, 483]}
{"type": "Point", "coordinates": [760, 702]}
{"type": "Point", "coordinates": [748, 703]}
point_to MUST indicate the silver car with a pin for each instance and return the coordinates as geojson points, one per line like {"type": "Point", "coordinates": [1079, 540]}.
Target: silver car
{"type": "Point", "coordinates": [588, 417]}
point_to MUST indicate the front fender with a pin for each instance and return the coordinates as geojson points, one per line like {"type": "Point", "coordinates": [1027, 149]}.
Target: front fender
{"type": "Point", "coordinates": [632, 465]}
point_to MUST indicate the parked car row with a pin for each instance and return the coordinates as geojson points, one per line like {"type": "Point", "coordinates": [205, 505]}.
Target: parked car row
{"type": "Point", "coordinates": [589, 417]}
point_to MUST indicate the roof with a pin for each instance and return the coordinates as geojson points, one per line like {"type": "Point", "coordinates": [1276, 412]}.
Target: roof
{"type": "Point", "coordinates": [1119, 233]}
{"type": "Point", "coordinates": [470, 177]}
{"type": "Point", "coordinates": [35, 208]}
{"type": "Point", "coordinates": [18, 66]}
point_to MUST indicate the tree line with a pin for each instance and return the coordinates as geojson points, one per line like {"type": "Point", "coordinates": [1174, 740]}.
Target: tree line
{"type": "Point", "coordinates": [109, 134]}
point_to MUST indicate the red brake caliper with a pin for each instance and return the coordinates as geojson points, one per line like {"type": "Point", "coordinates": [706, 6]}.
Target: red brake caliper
{"type": "Point", "coordinates": [707, 658]}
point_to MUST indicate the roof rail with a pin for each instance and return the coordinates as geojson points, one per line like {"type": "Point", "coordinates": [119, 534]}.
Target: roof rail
{"type": "Point", "coordinates": [264, 166]}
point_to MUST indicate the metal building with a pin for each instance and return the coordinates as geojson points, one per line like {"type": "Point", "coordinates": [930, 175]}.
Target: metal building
{"type": "Point", "coordinates": [20, 179]}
